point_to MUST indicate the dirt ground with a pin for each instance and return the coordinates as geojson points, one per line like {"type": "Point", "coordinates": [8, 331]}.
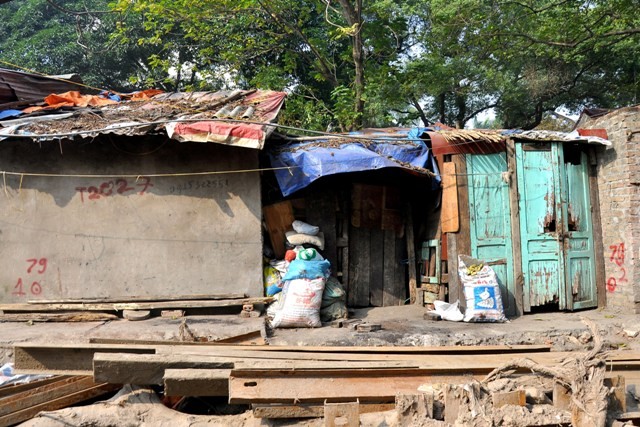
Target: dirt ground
{"type": "Point", "coordinates": [402, 325]}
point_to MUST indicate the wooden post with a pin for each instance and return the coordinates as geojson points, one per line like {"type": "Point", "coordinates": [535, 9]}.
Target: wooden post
{"type": "Point", "coordinates": [411, 254]}
{"type": "Point", "coordinates": [522, 303]}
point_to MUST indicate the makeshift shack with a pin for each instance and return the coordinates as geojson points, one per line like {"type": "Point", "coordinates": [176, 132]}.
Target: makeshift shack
{"type": "Point", "coordinates": [143, 196]}
{"type": "Point", "coordinates": [375, 196]}
{"type": "Point", "coordinates": [527, 204]}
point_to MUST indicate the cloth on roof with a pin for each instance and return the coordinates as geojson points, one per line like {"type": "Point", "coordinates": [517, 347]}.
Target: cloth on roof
{"type": "Point", "coordinates": [310, 161]}
{"type": "Point", "coordinates": [76, 99]}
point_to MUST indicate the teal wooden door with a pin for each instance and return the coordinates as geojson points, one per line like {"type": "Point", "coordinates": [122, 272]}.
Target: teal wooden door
{"type": "Point", "coordinates": [580, 275]}
{"type": "Point", "coordinates": [490, 220]}
{"type": "Point", "coordinates": [556, 235]}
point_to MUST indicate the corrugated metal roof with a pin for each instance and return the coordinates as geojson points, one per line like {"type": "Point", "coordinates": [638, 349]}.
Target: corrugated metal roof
{"type": "Point", "coordinates": [19, 86]}
{"type": "Point", "coordinates": [229, 117]}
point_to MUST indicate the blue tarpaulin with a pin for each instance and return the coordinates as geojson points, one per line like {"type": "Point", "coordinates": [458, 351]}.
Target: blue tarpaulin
{"type": "Point", "coordinates": [312, 160]}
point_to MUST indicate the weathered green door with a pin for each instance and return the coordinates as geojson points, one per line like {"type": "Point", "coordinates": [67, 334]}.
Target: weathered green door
{"type": "Point", "coordinates": [490, 222]}
{"type": "Point", "coordinates": [580, 275]}
{"type": "Point", "coordinates": [555, 227]}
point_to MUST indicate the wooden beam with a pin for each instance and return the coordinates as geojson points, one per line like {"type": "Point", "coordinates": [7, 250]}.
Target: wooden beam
{"type": "Point", "coordinates": [66, 359]}
{"type": "Point", "coordinates": [128, 299]}
{"type": "Point", "coordinates": [520, 305]}
{"type": "Point", "coordinates": [411, 255]}
{"type": "Point", "coordinates": [58, 403]}
{"type": "Point", "coordinates": [78, 316]}
{"type": "Point", "coordinates": [146, 369]}
{"type": "Point", "coordinates": [278, 218]}
{"type": "Point", "coordinates": [156, 305]}
{"type": "Point", "coordinates": [309, 410]}
{"type": "Point", "coordinates": [45, 393]}
{"type": "Point", "coordinates": [334, 386]}
{"type": "Point", "coordinates": [11, 389]}
{"type": "Point", "coordinates": [450, 216]}
{"type": "Point", "coordinates": [196, 382]}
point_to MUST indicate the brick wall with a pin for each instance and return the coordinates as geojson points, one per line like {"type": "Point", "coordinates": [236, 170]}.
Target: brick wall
{"type": "Point", "coordinates": [619, 191]}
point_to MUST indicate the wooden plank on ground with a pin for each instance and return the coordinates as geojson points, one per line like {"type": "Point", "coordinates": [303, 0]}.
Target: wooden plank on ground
{"type": "Point", "coordinates": [376, 265]}
{"type": "Point", "coordinates": [278, 218]}
{"type": "Point", "coordinates": [306, 387]}
{"type": "Point", "coordinates": [127, 299]}
{"type": "Point", "coordinates": [242, 341]}
{"type": "Point", "coordinates": [78, 316]}
{"type": "Point", "coordinates": [65, 359]}
{"type": "Point", "coordinates": [45, 393]}
{"type": "Point", "coordinates": [309, 410]}
{"type": "Point", "coordinates": [155, 305]}
{"type": "Point", "coordinates": [449, 215]}
{"type": "Point", "coordinates": [359, 266]}
{"type": "Point", "coordinates": [196, 382]}
{"type": "Point", "coordinates": [11, 389]}
{"type": "Point", "coordinates": [451, 349]}
{"type": "Point", "coordinates": [59, 403]}
{"type": "Point", "coordinates": [146, 369]}
{"type": "Point", "coordinates": [345, 414]}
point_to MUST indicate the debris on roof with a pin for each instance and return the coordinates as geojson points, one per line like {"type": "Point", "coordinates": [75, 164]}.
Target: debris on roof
{"type": "Point", "coordinates": [549, 135]}
{"type": "Point", "coordinates": [236, 117]}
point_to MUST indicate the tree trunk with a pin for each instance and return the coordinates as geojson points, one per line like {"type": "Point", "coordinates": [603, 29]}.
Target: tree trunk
{"type": "Point", "coordinates": [442, 113]}
{"type": "Point", "coordinates": [353, 16]}
{"type": "Point", "coordinates": [461, 106]}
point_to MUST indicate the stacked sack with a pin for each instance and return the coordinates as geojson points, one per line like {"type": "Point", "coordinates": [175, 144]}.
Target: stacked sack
{"type": "Point", "coordinates": [303, 287]}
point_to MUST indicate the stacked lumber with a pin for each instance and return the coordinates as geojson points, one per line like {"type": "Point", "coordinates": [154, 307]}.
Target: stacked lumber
{"type": "Point", "coordinates": [294, 382]}
{"type": "Point", "coordinates": [137, 308]}
{"type": "Point", "coordinates": [21, 402]}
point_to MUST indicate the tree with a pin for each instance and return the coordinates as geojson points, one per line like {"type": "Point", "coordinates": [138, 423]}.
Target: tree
{"type": "Point", "coordinates": [71, 36]}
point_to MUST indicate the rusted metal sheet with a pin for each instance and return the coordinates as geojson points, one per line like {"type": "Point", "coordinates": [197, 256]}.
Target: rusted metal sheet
{"type": "Point", "coordinates": [19, 86]}
{"type": "Point", "coordinates": [490, 219]}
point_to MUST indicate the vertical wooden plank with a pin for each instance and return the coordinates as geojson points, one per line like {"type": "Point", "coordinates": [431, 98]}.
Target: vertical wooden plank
{"type": "Point", "coordinates": [278, 218]}
{"type": "Point", "coordinates": [343, 243]}
{"type": "Point", "coordinates": [399, 292]}
{"type": "Point", "coordinates": [411, 255]}
{"type": "Point", "coordinates": [597, 230]}
{"type": "Point", "coordinates": [393, 286]}
{"type": "Point", "coordinates": [459, 243]}
{"type": "Point", "coordinates": [321, 211]}
{"type": "Point", "coordinates": [377, 259]}
{"type": "Point", "coordinates": [449, 216]}
{"type": "Point", "coordinates": [515, 230]}
{"type": "Point", "coordinates": [359, 266]}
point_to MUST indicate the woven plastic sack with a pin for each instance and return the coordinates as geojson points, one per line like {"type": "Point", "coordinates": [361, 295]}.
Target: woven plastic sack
{"type": "Point", "coordinates": [481, 291]}
{"type": "Point", "coordinates": [300, 307]}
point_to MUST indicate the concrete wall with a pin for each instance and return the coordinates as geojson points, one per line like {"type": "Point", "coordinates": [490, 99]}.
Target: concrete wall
{"type": "Point", "coordinates": [619, 192]}
{"type": "Point", "coordinates": [158, 236]}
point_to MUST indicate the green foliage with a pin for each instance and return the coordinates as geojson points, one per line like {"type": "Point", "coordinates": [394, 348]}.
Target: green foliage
{"type": "Point", "coordinates": [422, 60]}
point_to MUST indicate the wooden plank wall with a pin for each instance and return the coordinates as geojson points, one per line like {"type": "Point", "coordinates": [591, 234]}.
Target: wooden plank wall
{"type": "Point", "coordinates": [376, 271]}
{"type": "Point", "coordinates": [376, 248]}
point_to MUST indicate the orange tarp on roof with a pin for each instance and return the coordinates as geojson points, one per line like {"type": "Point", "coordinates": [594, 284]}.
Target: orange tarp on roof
{"type": "Point", "coordinates": [71, 99]}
